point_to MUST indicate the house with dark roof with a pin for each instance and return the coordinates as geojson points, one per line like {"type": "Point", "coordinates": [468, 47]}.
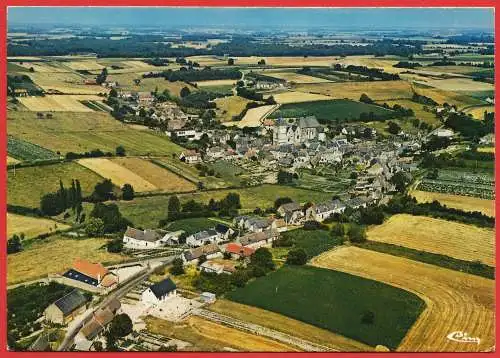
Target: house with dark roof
{"type": "Point", "coordinates": [224, 231]}
{"type": "Point", "coordinates": [292, 213]}
{"type": "Point", "coordinates": [66, 308]}
{"type": "Point", "coordinates": [159, 292]}
{"type": "Point", "coordinates": [89, 273]}
{"type": "Point", "coordinates": [203, 237]}
{"type": "Point", "coordinates": [323, 211]}
{"type": "Point", "coordinates": [146, 239]}
{"type": "Point", "coordinates": [255, 240]}
{"type": "Point", "coordinates": [211, 251]}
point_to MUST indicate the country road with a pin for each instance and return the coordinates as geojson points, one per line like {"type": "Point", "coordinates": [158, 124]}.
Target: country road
{"type": "Point", "coordinates": [116, 294]}
{"type": "Point", "coordinates": [302, 344]}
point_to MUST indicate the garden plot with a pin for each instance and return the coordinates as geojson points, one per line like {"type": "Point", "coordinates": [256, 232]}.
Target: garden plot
{"type": "Point", "coordinates": [118, 174]}
{"type": "Point", "coordinates": [22, 150]}
{"type": "Point", "coordinates": [59, 103]}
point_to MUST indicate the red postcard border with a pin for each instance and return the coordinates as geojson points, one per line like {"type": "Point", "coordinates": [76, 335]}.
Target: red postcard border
{"type": "Point", "coordinates": [203, 3]}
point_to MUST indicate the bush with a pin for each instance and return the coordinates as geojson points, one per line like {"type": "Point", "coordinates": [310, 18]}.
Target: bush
{"type": "Point", "coordinates": [357, 233]}
{"type": "Point", "coordinates": [115, 245]}
{"type": "Point", "coordinates": [94, 227]}
{"type": "Point", "coordinates": [177, 267]}
{"type": "Point", "coordinates": [296, 257]}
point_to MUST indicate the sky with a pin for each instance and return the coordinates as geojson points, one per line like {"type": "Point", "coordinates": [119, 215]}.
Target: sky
{"type": "Point", "coordinates": [418, 18]}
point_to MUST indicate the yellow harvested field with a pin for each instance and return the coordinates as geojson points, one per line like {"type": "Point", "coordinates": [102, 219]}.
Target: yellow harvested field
{"type": "Point", "coordinates": [441, 96]}
{"type": "Point", "coordinates": [296, 77]}
{"type": "Point", "coordinates": [58, 103]}
{"type": "Point", "coordinates": [210, 336]}
{"type": "Point", "coordinates": [11, 160]}
{"type": "Point", "coordinates": [296, 97]}
{"type": "Point", "coordinates": [418, 109]}
{"type": "Point", "coordinates": [44, 67]}
{"type": "Point", "coordinates": [294, 61]}
{"type": "Point", "coordinates": [478, 112]}
{"type": "Point", "coordinates": [461, 241]}
{"type": "Point", "coordinates": [216, 83]}
{"type": "Point", "coordinates": [376, 90]}
{"type": "Point", "coordinates": [455, 301]}
{"type": "Point", "coordinates": [54, 255]}
{"type": "Point", "coordinates": [227, 107]}
{"type": "Point", "coordinates": [31, 226]}
{"type": "Point", "coordinates": [466, 203]}
{"type": "Point", "coordinates": [288, 325]}
{"type": "Point", "coordinates": [207, 60]}
{"type": "Point", "coordinates": [254, 116]}
{"type": "Point", "coordinates": [126, 83]}
{"type": "Point", "coordinates": [84, 65]}
{"type": "Point", "coordinates": [372, 62]}
{"type": "Point", "coordinates": [480, 149]}
{"type": "Point", "coordinates": [460, 84]}
{"type": "Point", "coordinates": [162, 179]}
{"type": "Point", "coordinates": [118, 174]}
{"type": "Point", "coordinates": [65, 82]}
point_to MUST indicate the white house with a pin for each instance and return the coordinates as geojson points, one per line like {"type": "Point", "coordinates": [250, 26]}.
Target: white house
{"type": "Point", "coordinates": [211, 251]}
{"type": "Point", "coordinates": [203, 238]}
{"type": "Point", "coordinates": [146, 239]}
{"type": "Point", "coordinates": [323, 211]}
{"type": "Point", "coordinates": [159, 292]}
{"type": "Point", "coordinates": [190, 157]}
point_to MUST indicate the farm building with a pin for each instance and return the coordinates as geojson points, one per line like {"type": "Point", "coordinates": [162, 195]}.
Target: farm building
{"type": "Point", "coordinates": [323, 211]}
{"type": "Point", "coordinates": [254, 224]}
{"type": "Point", "coordinates": [211, 251]}
{"type": "Point", "coordinates": [159, 292]}
{"type": "Point", "coordinates": [66, 308]}
{"type": "Point", "coordinates": [297, 130]}
{"type": "Point", "coordinates": [190, 157]}
{"type": "Point", "coordinates": [259, 239]}
{"type": "Point", "coordinates": [93, 274]}
{"type": "Point", "coordinates": [145, 239]}
{"type": "Point", "coordinates": [291, 212]}
{"type": "Point", "coordinates": [203, 238]}
{"type": "Point", "coordinates": [238, 251]}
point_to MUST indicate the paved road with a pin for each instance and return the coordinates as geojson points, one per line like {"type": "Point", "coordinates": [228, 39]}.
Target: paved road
{"type": "Point", "coordinates": [262, 331]}
{"type": "Point", "coordinates": [116, 294]}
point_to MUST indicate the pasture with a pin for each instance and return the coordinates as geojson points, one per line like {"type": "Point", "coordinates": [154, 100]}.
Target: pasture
{"type": "Point", "coordinates": [287, 325]}
{"type": "Point", "coordinates": [118, 174]}
{"type": "Point", "coordinates": [227, 107]}
{"type": "Point", "coordinates": [327, 111]}
{"type": "Point", "coordinates": [59, 103]}
{"type": "Point", "coordinates": [339, 303]}
{"type": "Point", "coordinates": [466, 203]}
{"type": "Point", "coordinates": [453, 299]}
{"type": "Point", "coordinates": [159, 177]}
{"type": "Point", "coordinates": [79, 132]}
{"type": "Point", "coordinates": [54, 255]}
{"type": "Point", "coordinates": [376, 90]}
{"type": "Point", "coordinates": [191, 225]}
{"type": "Point", "coordinates": [148, 211]}
{"type": "Point", "coordinates": [25, 186]}
{"type": "Point", "coordinates": [461, 241]}
{"type": "Point", "coordinates": [31, 226]}
{"type": "Point", "coordinates": [126, 83]}
{"type": "Point", "coordinates": [453, 98]}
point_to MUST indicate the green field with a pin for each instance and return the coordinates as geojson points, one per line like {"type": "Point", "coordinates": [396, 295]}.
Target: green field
{"type": "Point", "coordinates": [314, 242]}
{"type": "Point", "coordinates": [148, 211]}
{"type": "Point", "coordinates": [22, 150]}
{"type": "Point", "coordinates": [326, 111]}
{"type": "Point", "coordinates": [335, 301]}
{"type": "Point", "coordinates": [79, 132]}
{"type": "Point", "coordinates": [25, 186]}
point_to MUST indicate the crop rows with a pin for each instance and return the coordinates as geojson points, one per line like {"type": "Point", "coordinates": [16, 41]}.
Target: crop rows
{"type": "Point", "coordinates": [484, 178]}
{"type": "Point", "coordinates": [23, 150]}
{"type": "Point", "coordinates": [458, 188]}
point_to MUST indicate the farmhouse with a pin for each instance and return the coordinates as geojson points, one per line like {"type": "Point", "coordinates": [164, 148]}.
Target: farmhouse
{"type": "Point", "coordinates": [291, 212]}
{"type": "Point", "coordinates": [190, 157]}
{"type": "Point", "coordinates": [145, 239]}
{"type": "Point", "coordinates": [323, 211]}
{"type": "Point", "coordinates": [159, 292]}
{"type": "Point", "coordinates": [259, 239]}
{"type": "Point", "coordinates": [238, 251]}
{"type": "Point", "coordinates": [66, 308]}
{"type": "Point", "coordinates": [88, 273]}
{"type": "Point", "coordinates": [96, 325]}
{"type": "Point", "coordinates": [203, 238]}
{"type": "Point", "coordinates": [253, 224]}
{"type": "Point", "coordinates": [211, 251]}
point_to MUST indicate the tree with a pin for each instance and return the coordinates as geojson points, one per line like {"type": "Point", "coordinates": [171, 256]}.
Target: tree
{"type": "Point", "coordinates": [356, 233]}
{"type": "Point", "coordinates": [120, 151]}
{"type": "Point", "coordinates": [120, 326]}
{"type": "Point", "coordinates": [261, 62]}
{"type": "Point", "coordinates": [177, 267]}
{"type": "Point", "coordinates": [185, 92]}
{"type": "Point", "coordinates": [365, 99]}
{"type": "Point", "coordinates": [400, 181]}
{"type": "Point", "coordinates": [112, 93]}
{"type": "Point", "coordinates": [393, 127]}
{"type": "Point", "coordinates": [368, 317]}
{"type": "Point", "coordinates": [128, 192]}
{"type": "Point", "coordinates": [111, 216]}
{"type": "Point", "coordinates": [174, 207]}
{"type": "Point", "coordinates": [14, 244]}
{"type": "Point", "coordinates": [202, 259]}
{"type": "Point", "coordinates": [94, 227]}
{"type": "Point", "coordinates": [230, 62]}
{"type": "Point", "coordinates": [285, 177]}
{"type": "Point", "coordinates": [338, 230]}
{"type": "Point", "coordinates": [371, 216]}
{"type": "Point", "coordinates": [262, 258]}
{"type": "Point", "coordinates": [101, 78]}
{"type": "Point", "coordinates": [103, 191]}
{"type": "Point", "coordinates": [280, 201]}
{"type": "Point", "coordinates": [296, 257]}
{"type": "Point", "coordinates": [115, 245]}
